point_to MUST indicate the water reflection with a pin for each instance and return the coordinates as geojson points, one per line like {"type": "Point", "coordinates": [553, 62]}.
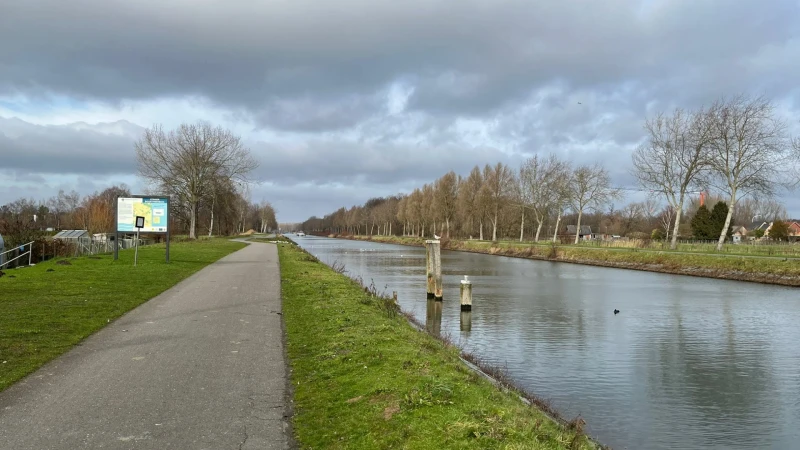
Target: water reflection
{"type": "Point", "coordinates": [466, 320]}
{"type": "Point", "coordinates": [433, 317]}
{"type": "Point", "coordinates": [688, 362]}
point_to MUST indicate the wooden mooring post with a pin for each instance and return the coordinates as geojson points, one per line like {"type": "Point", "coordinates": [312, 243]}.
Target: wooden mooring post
{"type": "Point", "coordinates": [466, 294]}
{"type": "Point", "coordinates": [429, 268]}
{"type": "Point", "coordinates": [433, 257]}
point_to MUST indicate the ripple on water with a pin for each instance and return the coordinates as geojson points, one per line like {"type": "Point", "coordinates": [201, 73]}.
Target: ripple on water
{"type": "Point", "coordinates": [688, 363]}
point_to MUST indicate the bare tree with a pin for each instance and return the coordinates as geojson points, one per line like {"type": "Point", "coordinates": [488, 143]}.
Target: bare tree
{"type": "Point", "coordinates": [469, 204]}
{"type": "Point", "coordinates": [590, 189]}
{"type": "Point", "coordinates": [560, 187]}
{"type": "Point", "coordinates": [186, 161]}
{"type": "Point", "coordinates": [671, 162]}
{"type": "Point", "coordinates": [446, 196]}
{"type": "Point", "coordinates": [539, 179]}
{"type": "Point", "coordinates": [748, 151]}
{"type": "Point", "coordinates": [498, 181]}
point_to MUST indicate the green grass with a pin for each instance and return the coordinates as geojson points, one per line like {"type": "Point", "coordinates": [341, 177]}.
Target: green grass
{"type": "Point", "coordinates": [364, 378]}
{"type": "Point", "coordinates": [46, 309]}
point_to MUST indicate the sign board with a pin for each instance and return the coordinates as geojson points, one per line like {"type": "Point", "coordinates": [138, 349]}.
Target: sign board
{"type": "Point", "coordinates": [155, 211]}
{"type": "Point", "coordinates": [142, 214]}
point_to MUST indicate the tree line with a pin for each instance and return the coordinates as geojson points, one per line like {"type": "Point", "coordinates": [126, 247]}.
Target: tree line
{"type": "Point", "coordinates": [735, 149]}
{"type": "Point", "coordinates": [204, 169]}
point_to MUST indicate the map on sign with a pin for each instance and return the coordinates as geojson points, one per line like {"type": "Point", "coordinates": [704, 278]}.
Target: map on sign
{"type": "Point", "coordinates": [153, 209]}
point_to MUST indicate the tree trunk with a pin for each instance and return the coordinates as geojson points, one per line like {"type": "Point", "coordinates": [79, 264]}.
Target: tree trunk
{"type": "Point", "coordinates": [494, 227]}
{"type": "Point", "coordinates": [724, 232]}
{"type": "Point", "coordinates": [674, 243]}
{"type": "Point", "coordinates": [578, 228]}
{"type": "Point", "coordinates": [192, 220]}
{"type": "Point", "coordinates": [448, 226]}
{"type": "Point", "coordinates": [539, 229]}
{"type": "Point", "coordinates": [211, 225]}
{"type": "Point", "coordinates": [522, 226]}
{"type": "Point", "coordinates": [558, 221]}
{"type": "Point", "coordinates": [481, 237]}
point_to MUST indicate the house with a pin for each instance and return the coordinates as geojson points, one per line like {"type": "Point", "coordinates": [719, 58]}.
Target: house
{"type": "Point", "coordinates": [738, 233]}
{"type": "Point", "coordinates": [739, 230]}
{"type": "Point", "coordinates": [794, 230]}
{"type": "Point", "coordinates": [586, 231]}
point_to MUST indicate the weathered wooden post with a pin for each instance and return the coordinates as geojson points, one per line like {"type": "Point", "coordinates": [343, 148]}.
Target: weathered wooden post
{"type": "Point", "coordinates": [435, 269]}
{"type": "Point", "coordinates": [429, 268]}
{"type": "Point", "coordinates": [466, 294]}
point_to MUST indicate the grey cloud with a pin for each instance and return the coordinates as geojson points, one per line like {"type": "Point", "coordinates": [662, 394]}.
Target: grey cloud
{"type": "Point", "coordinates": [68, 149]}
{"type": "Point", "coordinates": [465, 58]}
{"type": "Point", "coordinates": [322, 162]}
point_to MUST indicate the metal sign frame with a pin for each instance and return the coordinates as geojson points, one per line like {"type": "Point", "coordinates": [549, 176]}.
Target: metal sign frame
{"type": "Point", "coordinates": [116, 221]}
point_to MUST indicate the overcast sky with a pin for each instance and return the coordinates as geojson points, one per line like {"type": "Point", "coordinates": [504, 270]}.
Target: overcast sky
{"type": "Point", "coordinates": [344, 100]}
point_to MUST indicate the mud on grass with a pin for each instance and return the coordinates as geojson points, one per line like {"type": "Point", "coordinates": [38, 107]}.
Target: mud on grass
{"type": "Point", "coordinates": [364, 378]}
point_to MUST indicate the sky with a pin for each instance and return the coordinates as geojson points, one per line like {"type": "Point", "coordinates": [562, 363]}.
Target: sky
{"type": "Point", "coordinates": [345, 100]}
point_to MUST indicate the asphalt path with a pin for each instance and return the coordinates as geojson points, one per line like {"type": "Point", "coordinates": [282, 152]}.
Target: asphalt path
{"type": "Point", "coordinates": [201, 366]}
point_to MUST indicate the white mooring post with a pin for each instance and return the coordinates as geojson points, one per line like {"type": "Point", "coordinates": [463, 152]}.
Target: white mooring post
{"type": "Point", "coordinates": [466, 294]}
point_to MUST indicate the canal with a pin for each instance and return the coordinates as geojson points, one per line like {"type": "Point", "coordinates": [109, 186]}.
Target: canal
{"type": "Point", "coordinates": [688, 363]}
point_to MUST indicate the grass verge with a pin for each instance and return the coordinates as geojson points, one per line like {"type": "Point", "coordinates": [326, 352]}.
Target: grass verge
{"type": "Point", "coordinates": [364, 378]}
{"type": "Point", "coordinates": [782, 271]}
{"type": "Point", "coordinates": [48, 308]}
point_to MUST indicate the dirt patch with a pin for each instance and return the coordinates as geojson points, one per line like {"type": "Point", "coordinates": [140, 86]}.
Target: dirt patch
{"type": "Point", "coordinates": [355, 399]}
{"type": "Point", "coordinates": [390, 411]}
{"type": "Point", "coordinates": [94, 257]}
{"type": "Point", "coordinates": [51, 270]}
{"type": "Point", "coordinates": [63, 262]}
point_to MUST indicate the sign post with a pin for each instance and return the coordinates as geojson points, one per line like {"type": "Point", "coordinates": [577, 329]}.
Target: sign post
{"type": "Point", "coordinates": [139, 226]}
{"type": "Point", "coordinates": [152, 210]}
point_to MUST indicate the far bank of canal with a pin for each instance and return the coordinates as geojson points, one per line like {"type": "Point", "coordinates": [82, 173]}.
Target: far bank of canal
{"type": "Point", "coordinates": [688, 363]}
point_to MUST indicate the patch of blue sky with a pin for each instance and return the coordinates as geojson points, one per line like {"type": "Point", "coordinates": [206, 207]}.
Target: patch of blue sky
{"type": "Point", "coordinates": [41, 105]}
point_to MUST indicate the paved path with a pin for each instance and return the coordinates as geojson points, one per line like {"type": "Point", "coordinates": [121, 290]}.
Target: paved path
{"type": "Point", "coordinates": [201, 366]}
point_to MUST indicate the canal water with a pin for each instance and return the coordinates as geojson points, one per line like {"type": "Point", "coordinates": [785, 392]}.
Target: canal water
{"type": "Point", "coordinates": [688, 363]}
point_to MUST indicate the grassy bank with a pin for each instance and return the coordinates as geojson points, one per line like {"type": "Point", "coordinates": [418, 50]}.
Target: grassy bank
{"type": "Point", "coordinates": [48, 308]}
{"type": "Point", "coordinates": [783, 271]}
{"type": "Point", "coordinates": [364, 378]}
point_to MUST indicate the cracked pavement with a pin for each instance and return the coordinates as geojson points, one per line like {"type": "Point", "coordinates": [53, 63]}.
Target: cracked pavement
{"type": "Point", "coordinates": [200, 366]}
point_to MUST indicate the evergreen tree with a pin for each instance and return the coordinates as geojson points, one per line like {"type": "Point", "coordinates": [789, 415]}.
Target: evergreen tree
{"type": "Point", "coordinates": [701, 224]}
{"type": "Point", "coordinates": [717, 220]}
{"type": "Point", "coordinates": [779, 231]}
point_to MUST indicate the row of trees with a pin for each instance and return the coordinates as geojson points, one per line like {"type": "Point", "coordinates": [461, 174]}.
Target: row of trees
{"type": "Point", "coordinates": [25, 220]}
{"type": "Point", "coordinates": [736, 146]}
{"type": "Point", "coordinates": [734, 149]}
{"type": "Point", "coordinates": [204, 169]}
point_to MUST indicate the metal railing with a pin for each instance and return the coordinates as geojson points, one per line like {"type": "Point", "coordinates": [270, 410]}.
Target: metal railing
{"type": "Point", "coordinates": [29, 253]}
